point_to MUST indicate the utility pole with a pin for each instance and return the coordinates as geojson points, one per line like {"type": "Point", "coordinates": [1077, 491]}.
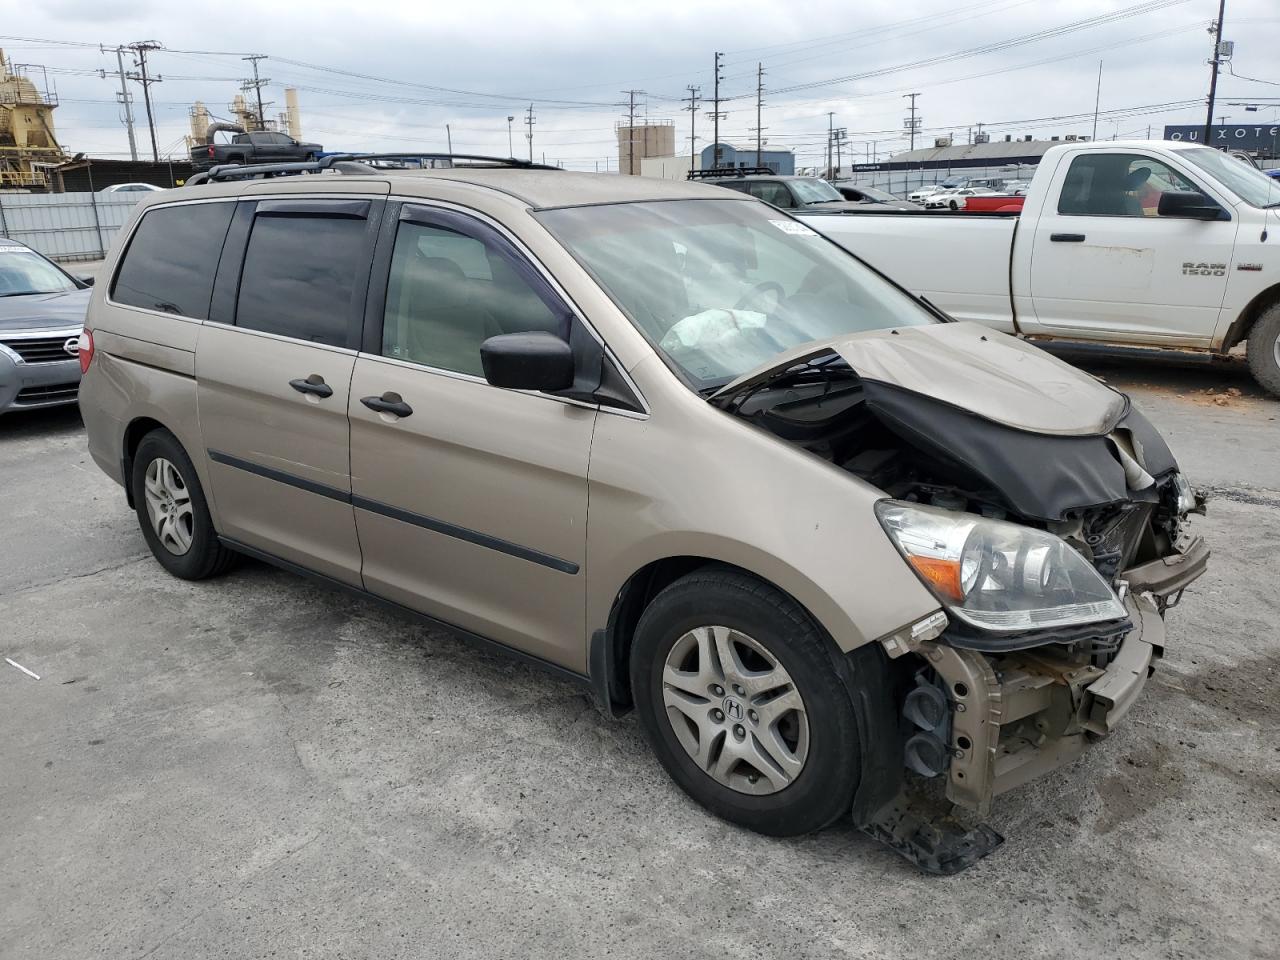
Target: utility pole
{"type": "Point", "coordinates": [528, 122]}
{"type": "Point", "coordinates": [140, 50]}
{"type": "Point", "coordinates": [831, 130]}
{"type": "Point", "coordinates": [716, 116]}
{"type": "Point", "coordinates": [511, 150]}
{"type": "Point", "coordinates": [840, 135]}
{"type": "Point", "coordinates": [912, 123]}
{"type": "Point", "coordinates": [126, 100]}
{"type": "Point", "coordinates": [759, 104]}
{"type": "Point", "coordinates": [1097, 99]}
{"type": "Point", "coordinates": [256, 84]}
{"type": "Point", "coordinates": [448, 134]}
{"type": "Point", "coordinates": [1216, 32]}
{"type": "Point", "coordinates": [631, 131]}
{"type": "Point", "coordinates": [692, 100]}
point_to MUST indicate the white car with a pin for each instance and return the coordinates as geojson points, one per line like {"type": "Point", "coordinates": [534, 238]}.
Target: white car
{"type": "Point", "coordinates": [954, 199]}
{"type": "Point", "coordinates": [131, 188]}
{"type": "Point", "coordinates": [928, 190]}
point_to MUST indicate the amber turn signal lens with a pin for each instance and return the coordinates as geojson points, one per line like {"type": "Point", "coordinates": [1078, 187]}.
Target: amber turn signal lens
{"type": "Point", "coordinates": [943, 575]}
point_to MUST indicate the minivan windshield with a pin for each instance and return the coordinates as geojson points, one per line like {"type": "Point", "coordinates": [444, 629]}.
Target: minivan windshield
{"type": "Point", "coordinates": [1252, 185]}
{"type": "Point", "coordinates": [721, 286]}
{"type": "Point", "coordinates": [24, 272]}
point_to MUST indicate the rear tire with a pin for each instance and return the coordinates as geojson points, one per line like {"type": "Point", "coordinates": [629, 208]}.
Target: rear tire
{"type": "Point", "coordinates": [1263, 351]}
{"type": "Point", "coordinates": [172, 510]}
{"type": "Point", "coordinates": [736, 751]}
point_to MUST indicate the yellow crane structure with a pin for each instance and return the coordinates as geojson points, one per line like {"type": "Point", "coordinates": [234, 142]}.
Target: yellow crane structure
{"type": "Point", "coordinates": [28, 146]}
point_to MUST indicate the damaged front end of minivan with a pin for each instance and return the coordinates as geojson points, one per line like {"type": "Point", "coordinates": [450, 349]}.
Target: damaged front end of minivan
{"type": "Point", "coordinates": [1045, 514]}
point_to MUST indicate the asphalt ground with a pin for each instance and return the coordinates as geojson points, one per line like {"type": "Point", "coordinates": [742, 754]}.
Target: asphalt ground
{"type": "Point", "coordinates": [256, 767]}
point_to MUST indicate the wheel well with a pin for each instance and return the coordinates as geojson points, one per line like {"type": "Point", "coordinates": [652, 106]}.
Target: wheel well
{"type": "Point", "coordinates": [133, 434]}
{"type": "Point", "coordinates": [1243, 323]}
{"type": "Point", "coordinates": [611, 647]}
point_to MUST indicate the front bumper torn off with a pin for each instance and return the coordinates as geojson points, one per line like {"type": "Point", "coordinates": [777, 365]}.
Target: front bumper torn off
{"type": "Point", "coordinates": [1040, 712]}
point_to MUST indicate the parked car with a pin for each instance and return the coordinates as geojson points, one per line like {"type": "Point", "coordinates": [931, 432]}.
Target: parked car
{"type": "Point", "coordinates": [955, 199]}
{"type": "Point", "coordinates": [131, 188]}
{"type": "Point", "coordinates": [1132, 243]}
{"type": "Point", "coordinates": [875, 199]}
{"type": "Point", "coordinates": [42, 309]}
{"type": "Point", "coordinates": [669, 442]}
{"type": "Point", "coordinates": [790, 193]}
{"type": "Point", "coordinates": [259, 146]}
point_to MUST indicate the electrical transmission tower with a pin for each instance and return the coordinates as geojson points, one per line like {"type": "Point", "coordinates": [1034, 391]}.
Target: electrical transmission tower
{"type": "Point", "coordinates": [716, 115]}
{"type": "Point", "coordinates": [125, 99]}
{"type": "Point", "coordinates": [692, 100]}
{"type": "Point", "coordinates": [140, 51]}
{"type": "Point", "coordinates": [759, 103]}
{"type": "Point", "coordinates": [256, 85]}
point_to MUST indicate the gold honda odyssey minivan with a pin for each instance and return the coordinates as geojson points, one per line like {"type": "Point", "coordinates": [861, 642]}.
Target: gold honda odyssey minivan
{"type": "Point", "coordinates": [843, 556]}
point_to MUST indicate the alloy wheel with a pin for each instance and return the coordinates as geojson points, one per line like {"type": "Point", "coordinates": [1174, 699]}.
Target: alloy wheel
{"type": "Point", "coordinates": [169, 506]}
{"type": "Point", "coordinates": [735, 710]}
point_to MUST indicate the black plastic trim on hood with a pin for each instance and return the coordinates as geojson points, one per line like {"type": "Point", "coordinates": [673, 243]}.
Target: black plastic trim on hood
{"type": "Point", "coordinates": [1041, 476]}
{"type": "Point", "coordinates": [970, 638]}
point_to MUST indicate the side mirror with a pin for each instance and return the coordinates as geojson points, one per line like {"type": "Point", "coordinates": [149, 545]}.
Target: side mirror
{"type": "Point", "coordinates": [86, 279]}
{"type": "Point", "coordinates": [1189, 205]}
{"type": "Point", "coordinates": [528, 361]}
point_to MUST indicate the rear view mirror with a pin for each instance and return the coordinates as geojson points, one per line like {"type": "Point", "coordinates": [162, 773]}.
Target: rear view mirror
{"type": "Point", "coordinates": [528, 361]}
{"type": "Point", "coordinates": [1189, 205]}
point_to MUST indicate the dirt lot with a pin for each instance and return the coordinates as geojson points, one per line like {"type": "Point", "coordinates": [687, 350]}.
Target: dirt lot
{"type": "Point", "coordinates": [254, 767]}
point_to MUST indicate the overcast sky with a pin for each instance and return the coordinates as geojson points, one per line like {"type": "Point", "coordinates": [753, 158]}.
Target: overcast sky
{"type": "Point", "coordinates": [425, 65]}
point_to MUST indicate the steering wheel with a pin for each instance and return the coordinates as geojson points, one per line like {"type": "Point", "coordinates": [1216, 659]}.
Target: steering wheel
{"type": "Point", "coordinates": [759, 290]}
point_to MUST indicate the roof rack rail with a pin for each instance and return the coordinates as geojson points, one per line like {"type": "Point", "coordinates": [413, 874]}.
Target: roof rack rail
{"type": "Point", "coordinates": [717, 173]}
{"type": "Point", "coordinates": [360, 163]}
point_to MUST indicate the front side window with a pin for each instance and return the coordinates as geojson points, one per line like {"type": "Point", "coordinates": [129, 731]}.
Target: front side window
{"type": "Point", "coordinates": [299, 277]}
{"type": "Point", "coordinates": [450, 290]}
{"type": "Point", "coordinates": [24, 271]}
{"type": "Point", "coordinates": [770, 191]}
{"type": "Point", "coordinates": [171, 261]}
{"type": "Point", "coordinates": [721, 286]}
{"type": "Point", "coordinates": [1120, 185]}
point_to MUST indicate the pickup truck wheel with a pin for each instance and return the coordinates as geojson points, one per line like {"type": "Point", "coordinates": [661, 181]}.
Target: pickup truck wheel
{"type": "Point", "coordinates": [1263, 350]}
{"type": "Point", "coordinates": [743, 703]}
{"type": "Point", "coordinates": [172, 510]}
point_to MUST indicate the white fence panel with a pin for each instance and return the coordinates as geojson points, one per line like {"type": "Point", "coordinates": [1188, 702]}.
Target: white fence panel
{"type": "Point", "coordinates": [65, 226]}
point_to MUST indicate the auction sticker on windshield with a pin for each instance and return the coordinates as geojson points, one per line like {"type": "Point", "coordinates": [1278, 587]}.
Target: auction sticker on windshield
{"type": "Point", "coordinates": [790, 226]}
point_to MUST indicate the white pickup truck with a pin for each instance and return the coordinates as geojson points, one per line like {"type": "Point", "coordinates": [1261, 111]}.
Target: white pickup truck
{"type": "Point", "coordinates": [1137, 243]}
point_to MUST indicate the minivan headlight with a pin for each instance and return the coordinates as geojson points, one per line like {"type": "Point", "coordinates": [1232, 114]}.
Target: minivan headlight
{"type": "Point", "coordinates": [997, 576]}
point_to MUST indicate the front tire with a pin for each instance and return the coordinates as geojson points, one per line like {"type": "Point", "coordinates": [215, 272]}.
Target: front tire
{"type": "Point", "coordinates": [740, 697]}
{"type": "Point", "coordinates": [1263, 351]}
{"type": "Point", "coordinates": [172, 510]}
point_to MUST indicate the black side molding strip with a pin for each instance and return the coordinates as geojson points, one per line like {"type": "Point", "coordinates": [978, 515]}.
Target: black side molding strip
{"type": "Point", "coordinates": [395, 513]}
{"type": "Point", "coordinates": [464, 533]}
{"type": "Point", "coordinates": [302, 483]}
{"type": "Point", "coordinates": [484, 643]}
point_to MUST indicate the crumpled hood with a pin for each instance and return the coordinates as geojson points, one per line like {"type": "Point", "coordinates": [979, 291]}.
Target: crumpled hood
{"type": "Point", "coordinates": [38, 311]}
{"type": "Point", "coordinates": [972, 367]}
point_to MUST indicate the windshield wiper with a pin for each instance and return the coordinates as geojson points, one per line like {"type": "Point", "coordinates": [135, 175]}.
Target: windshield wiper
{"type": "Point", "coordinates": [25, 293]}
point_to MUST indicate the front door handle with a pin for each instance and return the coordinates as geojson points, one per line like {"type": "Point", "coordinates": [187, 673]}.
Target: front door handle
{"type": "Point", "coordinates": [1067, 237]}
{"type": "Point", "coordinates": [389, 402]}
{"type": "Point", "coordinates": [313, 384]}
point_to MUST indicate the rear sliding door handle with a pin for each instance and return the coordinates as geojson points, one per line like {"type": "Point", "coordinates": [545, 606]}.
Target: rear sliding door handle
{"type": "Point", "coordinates": [1067, 237]}
{"type": "Point", "coordinates": [389, 402]}
{"type": "Point", "coordinates": [313, 384]}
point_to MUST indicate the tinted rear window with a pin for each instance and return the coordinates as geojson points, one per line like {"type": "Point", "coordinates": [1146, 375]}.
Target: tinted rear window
{"type": "Point", "coordinates": [300, 275]}
{"type": "Point", "coordinates": [172, 259]}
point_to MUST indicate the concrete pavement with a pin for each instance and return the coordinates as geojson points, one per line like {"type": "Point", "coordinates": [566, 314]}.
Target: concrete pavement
{"type": "Point", "coordinates": [255, 767]}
